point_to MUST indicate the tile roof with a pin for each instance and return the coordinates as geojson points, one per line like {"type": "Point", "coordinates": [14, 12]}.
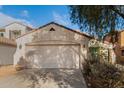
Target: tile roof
{"type": "Point", "coordinates": [6, 41]}
{"type": "Point", "coordinates": [2, 30]}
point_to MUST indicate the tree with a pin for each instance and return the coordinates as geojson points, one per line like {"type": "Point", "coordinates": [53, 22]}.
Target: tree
{"type": "Point", "coordinates": [97, 20]}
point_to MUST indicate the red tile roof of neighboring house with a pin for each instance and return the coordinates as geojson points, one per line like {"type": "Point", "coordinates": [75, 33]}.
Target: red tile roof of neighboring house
{"type": "Point", "coordinates": [121, 31]}
{"type": "Point", "coordinates": [6, 41]}
{"type": "Point", "coordinates": [2, 30]}
{"type": "Point", "coordinates": [108, 37]}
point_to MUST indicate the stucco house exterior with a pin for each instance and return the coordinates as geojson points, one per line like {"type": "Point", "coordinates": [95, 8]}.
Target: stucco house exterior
{"type": "Point", "coordinates": [7, 50]}
{"type": "Point", "coordinates": [118, 45]}
{"type": "Point", "coordinates": [8, 34]}
{"type": "Point", "coordinates": [13, 30]}
{"type": "Point", "coordinates": [52, 46]}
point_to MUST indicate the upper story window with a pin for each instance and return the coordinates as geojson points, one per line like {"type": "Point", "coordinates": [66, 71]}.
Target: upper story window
{"type": "Point", "coordinates": [14, 33]}
{"type": "Point", "coordinates": [122, 52]}
{"type": "Point", "coordinates": [52, 29]}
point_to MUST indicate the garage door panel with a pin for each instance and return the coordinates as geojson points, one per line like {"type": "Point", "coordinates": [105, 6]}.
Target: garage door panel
{"type": "Point", "coordinates": [53, 56]}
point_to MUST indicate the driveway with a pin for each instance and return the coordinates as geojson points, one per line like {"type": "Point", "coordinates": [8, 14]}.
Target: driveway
{"type": "Point", "coordinates": [44, 78]}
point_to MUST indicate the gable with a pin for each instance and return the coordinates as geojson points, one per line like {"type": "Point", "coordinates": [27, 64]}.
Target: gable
{"type": "Point", "coordinates": [69, 29]}
{"type": "Point", "coordinates": [59, 33]}
{"type": "Point", "coordinates": [78, 32]}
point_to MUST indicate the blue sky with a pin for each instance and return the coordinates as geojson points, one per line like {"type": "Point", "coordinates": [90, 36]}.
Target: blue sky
{"type": "Point", "coordinates": [36, 15]}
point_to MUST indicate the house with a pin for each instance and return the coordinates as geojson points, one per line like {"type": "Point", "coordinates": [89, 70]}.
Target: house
{"type": "Point", "coordinates": [13, 30]}
{"type": "Point", "coordinates": [7, 50]}
{"type": "Point", "coordinates": [52, 46]}
{"type": "Point", "coordinates": [8, 34]}
{"type": "Point", "coordinates": [118, 45]}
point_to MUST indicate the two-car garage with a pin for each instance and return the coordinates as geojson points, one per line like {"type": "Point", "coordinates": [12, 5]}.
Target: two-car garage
{"type": "Point", "coordinates": [53, 55]}
{"type": "Point", "coordinates": [60, 47]}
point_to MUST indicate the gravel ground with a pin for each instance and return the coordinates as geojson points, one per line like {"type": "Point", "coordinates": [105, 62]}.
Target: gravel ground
{"type": "Point", "coordinates": [44, 78]}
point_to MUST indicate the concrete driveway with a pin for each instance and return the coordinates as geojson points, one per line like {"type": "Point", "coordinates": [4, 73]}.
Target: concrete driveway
{"type": "Point", "coordinates": [44, 78]}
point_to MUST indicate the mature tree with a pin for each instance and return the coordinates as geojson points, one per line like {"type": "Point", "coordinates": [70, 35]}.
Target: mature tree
{"type": "Point", "coordinates": [97, 20]}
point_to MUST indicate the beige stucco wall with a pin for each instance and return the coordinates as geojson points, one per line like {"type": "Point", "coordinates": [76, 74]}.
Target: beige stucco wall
{"type": "Point", "coordinates": [6, 54]}
{"type": "Point", "coordinates": [60, 34]}
{"type": "Point", "coordinates": [52, 56]}
{"type": "Point", "coordinates": [15, 26]}
{"type": "Point", "coordinates": [21, 42]}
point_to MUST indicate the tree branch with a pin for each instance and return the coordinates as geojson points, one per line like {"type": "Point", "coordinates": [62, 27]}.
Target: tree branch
{"type": "Point", "coordinates": [117, 11]}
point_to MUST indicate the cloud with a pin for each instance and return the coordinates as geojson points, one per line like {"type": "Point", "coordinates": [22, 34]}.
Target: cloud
{"type": "Point", "coordinates": [25, 13]}
{"type": "Point", "coordinates": [5, 19]}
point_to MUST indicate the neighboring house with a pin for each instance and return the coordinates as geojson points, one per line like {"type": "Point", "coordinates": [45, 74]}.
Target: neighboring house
{"type": "Point", "coordinates": [13, 30]}
{"type": "Point", "coordinates": [52, 46]}
{"type": "Point", "coordinates": [8, 34]}
{"type": "Point", "coordinates": [7, 50]}
{"type": "Point", "coordinates": [118, 45]}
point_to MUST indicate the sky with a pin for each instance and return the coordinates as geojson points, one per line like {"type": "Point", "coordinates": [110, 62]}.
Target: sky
{"type": "Point", "coordinates": [35, 16]}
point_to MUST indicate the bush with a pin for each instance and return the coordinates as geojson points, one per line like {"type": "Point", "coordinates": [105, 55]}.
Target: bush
{"type": "Point", "coordinates": [103, 75]}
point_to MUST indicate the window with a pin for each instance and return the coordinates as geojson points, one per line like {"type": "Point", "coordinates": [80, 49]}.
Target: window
{"type": "Point", "coordinates": [15, 33]}
{"type": "Point", "coordinates": [122, 52]}
{"type": "Point", "coordinates": [52, 29]}
{"type": "Point", "coordinates": [1, 35]}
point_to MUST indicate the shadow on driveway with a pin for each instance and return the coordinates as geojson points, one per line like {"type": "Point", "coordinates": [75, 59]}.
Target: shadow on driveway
{"type": "Point", "coordinates": [45, 78]}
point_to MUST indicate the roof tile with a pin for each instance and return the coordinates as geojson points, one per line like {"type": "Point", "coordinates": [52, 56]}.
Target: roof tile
{"type": "Point", "coordinates": [6, 41]}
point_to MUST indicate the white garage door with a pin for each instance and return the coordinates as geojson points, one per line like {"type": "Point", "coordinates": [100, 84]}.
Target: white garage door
{"type": "Point", "coordinates": [53, 56]}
